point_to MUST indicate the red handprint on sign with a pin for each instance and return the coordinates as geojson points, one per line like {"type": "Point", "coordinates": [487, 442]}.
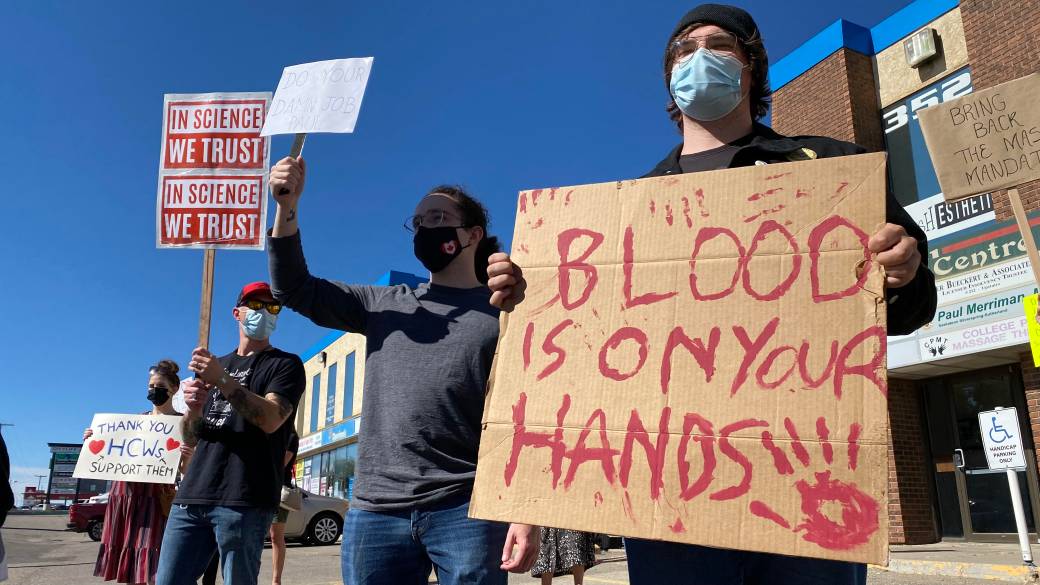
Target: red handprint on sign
{"type": "Point", "coordinates": [859, 511]}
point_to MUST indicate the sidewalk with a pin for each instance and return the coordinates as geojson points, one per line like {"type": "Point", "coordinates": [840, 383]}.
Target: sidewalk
{"type": "Point", "coordinates": [978, 560]}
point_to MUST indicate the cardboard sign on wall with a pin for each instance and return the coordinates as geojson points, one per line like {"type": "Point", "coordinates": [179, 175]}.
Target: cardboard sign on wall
{"type": "Point", "coordinates": [699, 358]}
{"type": "Point", "coordinates": [987, 140]}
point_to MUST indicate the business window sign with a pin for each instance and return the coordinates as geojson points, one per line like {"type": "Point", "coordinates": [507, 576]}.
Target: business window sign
{"type": "Point", "coordinates": [330, 435]}
{"type": "Point", "coordinates": [938, 218]}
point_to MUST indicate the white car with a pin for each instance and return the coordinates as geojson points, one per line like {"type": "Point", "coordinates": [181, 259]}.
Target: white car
{"type": "Point", "coordinates": [319, 521]}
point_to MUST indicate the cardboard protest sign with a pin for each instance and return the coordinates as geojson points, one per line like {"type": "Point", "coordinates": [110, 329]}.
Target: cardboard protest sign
{"type": "Point", "coordinates": [1029, 305]}
{"type": "Point", "coordinates": [986, 140]}
{"type": "Point", "coordinates": [132, 447]}
{"type": "Point", "coordinates": [213, 171]}
{"type": "Point", "coordinates": [324, 96]}
{"type": "Point", "coordinates": [699, 358]}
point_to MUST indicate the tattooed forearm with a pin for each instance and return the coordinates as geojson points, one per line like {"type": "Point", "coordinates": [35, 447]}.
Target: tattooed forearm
{"type": "Point", "coordinates": [284, 408]}
{"type": "Point", "coordinates": [267, 412]}
{"type": "Point", "coordinates": [292, 216]}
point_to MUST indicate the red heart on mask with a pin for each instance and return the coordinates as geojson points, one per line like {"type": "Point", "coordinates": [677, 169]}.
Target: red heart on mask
{"type": "Point", "coordinates": [96, 446]}
{"type": "Point", "coordinates": [171, 444]}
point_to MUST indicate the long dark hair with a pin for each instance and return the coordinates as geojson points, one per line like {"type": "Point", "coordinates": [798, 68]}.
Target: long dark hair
{"type": "Point", "coordinates": [473, 214]}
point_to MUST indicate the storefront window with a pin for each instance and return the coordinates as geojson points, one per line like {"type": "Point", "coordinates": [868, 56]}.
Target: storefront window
{"type": "Point", "coordinates": [315, 393]}
{"type": "Point", "coordinates": [330, 403]}
{"type": "Point", "coordinates": [348, 387]}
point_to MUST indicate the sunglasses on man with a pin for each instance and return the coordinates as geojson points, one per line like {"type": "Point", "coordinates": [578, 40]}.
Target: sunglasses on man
{"type": "Point", "coordinates": [274, 307]}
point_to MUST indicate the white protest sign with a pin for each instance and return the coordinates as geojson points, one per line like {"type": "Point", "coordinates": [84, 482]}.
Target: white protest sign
{"type": "Point", "coordinates": [324, 96]}
{"type": "Point", "coordinates": [1001, 439]}
{"type": "Point", "coordinates": [132, 447]}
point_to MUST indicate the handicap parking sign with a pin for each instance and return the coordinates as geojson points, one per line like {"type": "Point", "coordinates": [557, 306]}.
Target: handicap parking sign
{"type": "Point", "coordinates": [1001, 438]}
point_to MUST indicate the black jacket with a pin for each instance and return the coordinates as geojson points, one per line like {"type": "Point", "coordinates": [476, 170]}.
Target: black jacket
{"type": "Point", "coordinates": [909, 307]}
{"type": "Point", "coordinates": [6, 497]}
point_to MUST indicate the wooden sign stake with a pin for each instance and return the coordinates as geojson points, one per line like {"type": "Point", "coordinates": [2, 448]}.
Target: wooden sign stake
{"type": "Point", "coordinates": [206, 306]}
{"type": "Point", "coordinates": [1027, 233]}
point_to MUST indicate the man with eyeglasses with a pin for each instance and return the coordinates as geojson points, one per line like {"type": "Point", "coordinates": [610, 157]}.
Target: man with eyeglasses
{"type": "Point", "coordinates": [240, 415]}
{"type": "Point", "coordinates": [716, 71]}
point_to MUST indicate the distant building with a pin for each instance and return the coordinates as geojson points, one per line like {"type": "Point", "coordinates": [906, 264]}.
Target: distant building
{"type": "Point", "coordinates": [865, 85]}
{"type": "Point", "coordinates": [61, 486]}
{"type": "Point", "coordinates": [32, 496]}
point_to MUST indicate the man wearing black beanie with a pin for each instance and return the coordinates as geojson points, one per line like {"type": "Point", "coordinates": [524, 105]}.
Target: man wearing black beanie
{"type": "Point", "coordinates": [718, 121]}
{"type": "Point", "coordinates": [717, 75]}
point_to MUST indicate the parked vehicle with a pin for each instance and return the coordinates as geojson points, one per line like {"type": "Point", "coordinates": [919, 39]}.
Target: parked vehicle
{"type": "Point", "coordinates": [89, 516]}
{"type": "Point", "coordinates": [319, 521]}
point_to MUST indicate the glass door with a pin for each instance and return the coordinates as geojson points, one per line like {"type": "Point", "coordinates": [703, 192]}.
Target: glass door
{"type": "Point", "coordinates": [974, 502]}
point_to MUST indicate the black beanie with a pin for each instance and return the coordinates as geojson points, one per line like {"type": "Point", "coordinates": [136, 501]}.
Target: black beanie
{"type": "Point", "coordinates": [735, 20]}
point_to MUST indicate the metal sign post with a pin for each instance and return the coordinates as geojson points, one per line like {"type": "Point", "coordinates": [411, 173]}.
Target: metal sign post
{"type": "Point", "coordinates": [1002, 442]}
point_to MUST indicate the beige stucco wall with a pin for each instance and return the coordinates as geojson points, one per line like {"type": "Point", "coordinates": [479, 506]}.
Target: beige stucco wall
{"type": "Point", "coordinates": [336, 353]}
{"type": "Point", "coordinates": [897, 80]}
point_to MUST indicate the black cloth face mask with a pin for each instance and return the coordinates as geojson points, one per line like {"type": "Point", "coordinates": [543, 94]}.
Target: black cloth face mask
{"type": "Point", "coordinates": [437, 247]}
{"type": "Point", "coordinates": [158, 395]}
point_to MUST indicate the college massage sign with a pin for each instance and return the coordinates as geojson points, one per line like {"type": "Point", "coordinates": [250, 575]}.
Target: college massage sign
{"type": "Point", "coordinates": [699, 358]}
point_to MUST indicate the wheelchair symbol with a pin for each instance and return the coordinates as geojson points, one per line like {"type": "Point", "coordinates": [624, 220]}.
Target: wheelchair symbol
{"type": "Point", "coordinates": [997, 431]}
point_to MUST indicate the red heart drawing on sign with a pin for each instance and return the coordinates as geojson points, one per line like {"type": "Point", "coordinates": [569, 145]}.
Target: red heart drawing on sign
{"type": "Point", "coordinates": [96, 446]}
{"type": "Point", "coordinates": [171, 444]}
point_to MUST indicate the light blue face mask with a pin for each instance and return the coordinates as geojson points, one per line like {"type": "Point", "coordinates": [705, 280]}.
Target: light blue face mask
{"type": "Point", "coordinates": [259, 325]}
{"type": "Point", "coordinates": [706, 86]}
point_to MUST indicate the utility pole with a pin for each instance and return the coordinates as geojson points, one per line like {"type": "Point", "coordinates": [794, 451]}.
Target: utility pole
{"type": "Point", "coordinates": [39, 481]}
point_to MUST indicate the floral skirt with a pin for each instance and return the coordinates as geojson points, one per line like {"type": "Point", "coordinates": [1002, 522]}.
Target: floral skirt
{"type": "Point", "coordinates": [562, 550]}
{"type": "Point", "coordinates": [133, 531]}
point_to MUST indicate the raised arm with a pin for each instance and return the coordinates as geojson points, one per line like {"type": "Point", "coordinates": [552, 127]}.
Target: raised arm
{"type": "Point", "coordinates": [327, 304]}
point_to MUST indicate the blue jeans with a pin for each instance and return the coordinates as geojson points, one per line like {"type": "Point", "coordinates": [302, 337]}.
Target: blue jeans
{"type": "Point", "coordinates": [654, 562]}
{"type": "Point", "coordinates": [193, 532]}
{"type": "Point", "coordinates": [399, 548]}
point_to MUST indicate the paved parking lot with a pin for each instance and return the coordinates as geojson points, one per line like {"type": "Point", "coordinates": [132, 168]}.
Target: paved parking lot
{"type": "Point", "coordinates": [42, 552]}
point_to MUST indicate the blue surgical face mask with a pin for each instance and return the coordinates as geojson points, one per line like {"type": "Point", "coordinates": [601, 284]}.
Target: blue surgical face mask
{"type": "Point", "coordinates": [706, 86]}
{"type": "Point", "coordinates": [259, 325]}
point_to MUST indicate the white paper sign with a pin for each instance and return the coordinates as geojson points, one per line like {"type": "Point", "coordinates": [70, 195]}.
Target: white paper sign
{"type": "Point", "coordinates": [132, 447]}
{"type": "Point", "coordinates": [1002, 439]}
{"type": "Point", "coordinates": [324, 96]}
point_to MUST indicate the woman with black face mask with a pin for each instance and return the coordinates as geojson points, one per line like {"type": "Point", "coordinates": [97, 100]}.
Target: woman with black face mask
{"type": "Point", "coordinates": [136, 512]}
{"type": "Point", "coordinates": [429, 354]}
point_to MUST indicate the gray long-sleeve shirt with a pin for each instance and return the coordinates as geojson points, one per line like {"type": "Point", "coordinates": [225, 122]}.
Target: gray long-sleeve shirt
{"type": "Point", "coordinates": [429, 353]}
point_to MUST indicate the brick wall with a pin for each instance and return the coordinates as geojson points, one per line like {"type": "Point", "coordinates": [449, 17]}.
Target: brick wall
{"type": "Point", "coordinates": [836, 98]}
{"type": "Point", "coordinates": [910, 512]}
{"type": "Point", "coordinates": [1003, 39]}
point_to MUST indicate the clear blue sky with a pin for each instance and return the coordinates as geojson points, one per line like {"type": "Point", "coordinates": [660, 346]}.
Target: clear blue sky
{"type": "Point", "coordinates": [496, 96]}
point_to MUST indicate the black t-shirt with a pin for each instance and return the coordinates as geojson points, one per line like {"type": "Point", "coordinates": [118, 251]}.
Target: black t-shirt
{"type": "Point", "coordinates": [293, 447]}
{"type": "Point", "coordinates": [236, 463]}
{"type": "Point", "coordinates": [709, 160]}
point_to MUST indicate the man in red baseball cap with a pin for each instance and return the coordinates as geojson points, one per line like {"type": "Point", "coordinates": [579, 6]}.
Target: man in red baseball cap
{"type": "Point", "coordinates": [240, 416]}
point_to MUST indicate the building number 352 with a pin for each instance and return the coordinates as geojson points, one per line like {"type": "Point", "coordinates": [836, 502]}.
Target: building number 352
{"type": "Point", "coordinates": [948, 89]}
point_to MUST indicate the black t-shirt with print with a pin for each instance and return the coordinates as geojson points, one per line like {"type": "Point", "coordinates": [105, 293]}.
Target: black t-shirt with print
{"type": "Point", "coordinates": [236, 463]}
